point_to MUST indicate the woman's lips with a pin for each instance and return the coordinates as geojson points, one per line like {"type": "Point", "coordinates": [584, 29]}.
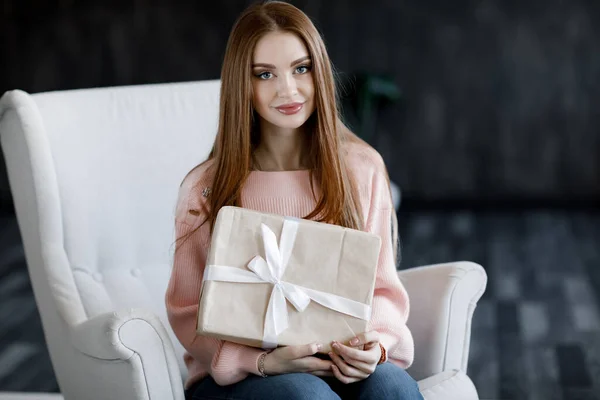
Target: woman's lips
{"type": "Point", "coordinates": [289, 109]}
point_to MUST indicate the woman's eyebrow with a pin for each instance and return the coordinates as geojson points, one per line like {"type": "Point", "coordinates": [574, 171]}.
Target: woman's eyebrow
{"type": "Point", "coordinates": [273, 67]}
{"type": "Point", "coordinates": [299, 60]}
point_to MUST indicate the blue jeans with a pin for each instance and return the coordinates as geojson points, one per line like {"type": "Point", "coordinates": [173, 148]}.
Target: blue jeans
{"type": "Point", "coordinates": [387, 382]}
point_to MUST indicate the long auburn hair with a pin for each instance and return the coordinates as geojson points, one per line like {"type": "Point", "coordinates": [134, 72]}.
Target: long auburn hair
{"type": "Point", "coordinates": [238, 133]}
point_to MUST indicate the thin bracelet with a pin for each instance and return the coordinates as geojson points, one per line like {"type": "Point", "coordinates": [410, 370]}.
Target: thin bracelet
{"type": "Point", "coordinates": [261, 364]}
{"type": "Point", "coordinates": [383, 354]}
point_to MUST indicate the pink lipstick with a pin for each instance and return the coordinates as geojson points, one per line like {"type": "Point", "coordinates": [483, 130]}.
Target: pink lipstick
{"type": "Point", "coordinates": [289, 109]}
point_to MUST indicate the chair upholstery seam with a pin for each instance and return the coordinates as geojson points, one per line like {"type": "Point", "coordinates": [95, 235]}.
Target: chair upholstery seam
{"type": "Point", "coordinates": [138, 354]}
{"type": "Point", "coordinates": [469, 311]}
{"type": "Point", "coordinates": [445, 380]}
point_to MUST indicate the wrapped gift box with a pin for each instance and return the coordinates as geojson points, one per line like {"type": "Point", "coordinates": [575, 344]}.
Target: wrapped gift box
{"type": "Point", "coordinates": [272, 280]}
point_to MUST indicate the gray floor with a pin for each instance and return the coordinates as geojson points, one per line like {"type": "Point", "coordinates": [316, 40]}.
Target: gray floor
{"type": "Point", "coordinates": [536, 331]}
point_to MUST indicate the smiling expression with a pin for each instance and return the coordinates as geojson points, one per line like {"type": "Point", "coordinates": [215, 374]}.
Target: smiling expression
{"type": "Point", "coordinates": [283, 87]}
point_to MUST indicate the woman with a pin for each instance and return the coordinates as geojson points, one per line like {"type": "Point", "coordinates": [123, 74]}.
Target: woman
{"type": "Point", "coordinates": [281, 148]}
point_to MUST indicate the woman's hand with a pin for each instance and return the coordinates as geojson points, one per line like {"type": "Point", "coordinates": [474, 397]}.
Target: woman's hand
{"type": "Point", "coordinates": [352, 364]}
{"type": "Point", "coordinates": [290, 359]}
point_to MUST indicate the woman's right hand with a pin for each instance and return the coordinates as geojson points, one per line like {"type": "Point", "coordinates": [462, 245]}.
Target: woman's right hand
{"type": "Point", "coordinates": [289, 359]}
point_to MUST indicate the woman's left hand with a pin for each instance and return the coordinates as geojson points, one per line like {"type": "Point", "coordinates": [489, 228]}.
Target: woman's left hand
{"type": "Point", "coordinates": [353, 364]}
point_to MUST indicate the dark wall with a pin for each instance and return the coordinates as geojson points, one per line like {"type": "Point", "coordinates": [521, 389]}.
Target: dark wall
{"type": "Point", "coordinates": [499, 97]}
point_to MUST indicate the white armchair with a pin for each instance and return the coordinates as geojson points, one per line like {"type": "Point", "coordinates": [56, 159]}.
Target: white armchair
{"type": "Point", "coordinates": [94, 176]}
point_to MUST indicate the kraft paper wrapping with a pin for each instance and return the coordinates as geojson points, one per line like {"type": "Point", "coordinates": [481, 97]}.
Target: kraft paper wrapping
{"type": "Point", "coordinates": [324, 257]}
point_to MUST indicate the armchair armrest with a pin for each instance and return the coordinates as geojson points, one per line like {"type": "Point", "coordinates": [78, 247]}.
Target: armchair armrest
{"type": "Point", "coordinates": [442, 300]}
{"type": "Point", "coordinates": [448, 385]}
{"type": "Point", "coordinates": [138, 338]}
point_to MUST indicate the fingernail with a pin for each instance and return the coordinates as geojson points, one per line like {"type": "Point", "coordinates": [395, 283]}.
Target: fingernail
{"type": "Point", "coordinates": [330, 354]}
{"type": "Point", "coordinates": [335, 345]}
{"type": "Point", "coordinates": [354, 341]}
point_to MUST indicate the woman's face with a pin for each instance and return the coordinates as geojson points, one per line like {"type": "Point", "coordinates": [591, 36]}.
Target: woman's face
{"type": "Point", "coordinates": [283, 88]}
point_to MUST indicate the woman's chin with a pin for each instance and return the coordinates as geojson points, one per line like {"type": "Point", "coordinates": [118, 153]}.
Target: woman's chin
{"type": "Point", "coordinates": [289, 121]}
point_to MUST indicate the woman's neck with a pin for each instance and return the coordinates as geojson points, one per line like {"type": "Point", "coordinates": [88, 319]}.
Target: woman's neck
{"type": "Point", "coordinates": [281, 150]}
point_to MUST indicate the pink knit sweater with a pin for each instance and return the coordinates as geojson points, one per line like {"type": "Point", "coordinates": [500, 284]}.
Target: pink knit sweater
{"type": "Point", "coordinates": [286, 193]}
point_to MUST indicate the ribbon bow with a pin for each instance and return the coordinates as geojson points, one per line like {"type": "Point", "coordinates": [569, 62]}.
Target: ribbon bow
{"type": "Point", "coordinates": [271, 269]}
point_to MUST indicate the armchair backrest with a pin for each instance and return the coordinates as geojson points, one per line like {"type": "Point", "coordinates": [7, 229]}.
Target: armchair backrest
{"type": "Point", "coordinates": [95, 176]}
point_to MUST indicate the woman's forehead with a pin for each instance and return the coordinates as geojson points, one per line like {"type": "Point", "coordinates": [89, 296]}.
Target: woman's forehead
{"type": "Point", "coordinates": [280, 49]}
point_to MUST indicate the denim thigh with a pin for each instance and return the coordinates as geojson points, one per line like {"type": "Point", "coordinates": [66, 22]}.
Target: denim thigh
{"type": "Point", "coordinates": [387, 382]}
{"type": "Point", "coordinates": [297, 386]}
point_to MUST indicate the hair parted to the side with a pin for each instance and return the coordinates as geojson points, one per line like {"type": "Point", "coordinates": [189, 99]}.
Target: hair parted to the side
{"type": "Point", "coordinates": [238, 134]}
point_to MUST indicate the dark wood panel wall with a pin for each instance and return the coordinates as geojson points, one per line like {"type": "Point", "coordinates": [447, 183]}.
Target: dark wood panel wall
{"type": "Point", "coordinates": [499, 98]}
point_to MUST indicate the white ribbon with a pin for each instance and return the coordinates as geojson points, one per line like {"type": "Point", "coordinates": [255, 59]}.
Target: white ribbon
{"type": "Point", "coordinates": [271, 269]}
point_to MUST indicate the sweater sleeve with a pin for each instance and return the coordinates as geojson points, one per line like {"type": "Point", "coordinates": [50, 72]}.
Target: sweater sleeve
{"type": "Point", "coordinates": [225, 361]}
{"type": "Point", "coordinates": [390, 300]}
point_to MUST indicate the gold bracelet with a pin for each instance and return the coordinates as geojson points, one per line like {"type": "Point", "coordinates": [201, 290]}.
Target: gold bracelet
{"type": "Point", "coordinates": [261, 365]}
{"type": "Point", "coordinates": [383, 354]}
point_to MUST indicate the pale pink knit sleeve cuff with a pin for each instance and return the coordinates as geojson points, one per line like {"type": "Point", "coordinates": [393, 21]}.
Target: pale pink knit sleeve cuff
{"type": "Point", "coordinates": [388, 343]}
{"type": "Point", "coordinates": [400, 349]}
{"type": "Point", "coordinates": [234, 363]}
{"type": "Point", "coordinates": [249, 360]}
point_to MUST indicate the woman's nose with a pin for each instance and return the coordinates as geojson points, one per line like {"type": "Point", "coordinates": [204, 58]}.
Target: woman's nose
{"type": "Point", "coordinates": [286, 86]}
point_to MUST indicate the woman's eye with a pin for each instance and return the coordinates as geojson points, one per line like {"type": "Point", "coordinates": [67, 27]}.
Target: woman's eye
{"type": "Point", "coordinates": [265, 75]}
{"type": "Point", "coordinates": [303, 69]}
